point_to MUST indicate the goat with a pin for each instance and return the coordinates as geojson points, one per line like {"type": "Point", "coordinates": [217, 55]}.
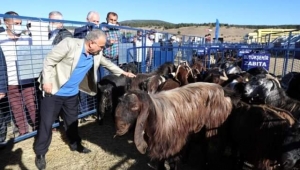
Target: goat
{"type": "Point", "coordinates": [164, 69]}
{"type": "Point", "coordinates": [130, 67]}
{"type": "Point", "coordinates": [263, 89]}
{"type": "Point", "coordinates": [182, 77]}
{"type": "Point", "coordinates": [166, 119]}
{"type": "Point", "coordinates": [258, 132]}
{"type": "Point", "coordinates": [267, 90]}
{"type": "Point", "coordinates": [290, 151]}
{"type": "Point", "coordinates": [152, 83]}
{"type": "Point", "coordinates": [231, 67]}
{"type": "Point", "coordinates": [214, 76]}
{"type": "Point", "coordinates": [110, 88]}
{"type": "Point", "coordinates": [257, 70]}
{"type": "Point", "coordinates": [291, 83]}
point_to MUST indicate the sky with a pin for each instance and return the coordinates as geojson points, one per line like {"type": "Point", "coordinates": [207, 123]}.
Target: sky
{"type": "Point", "coordinates": [240, 12]}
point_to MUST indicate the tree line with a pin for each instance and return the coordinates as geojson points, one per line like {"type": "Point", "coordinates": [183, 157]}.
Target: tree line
{"type": "Point", "coordinates": [167, 25]}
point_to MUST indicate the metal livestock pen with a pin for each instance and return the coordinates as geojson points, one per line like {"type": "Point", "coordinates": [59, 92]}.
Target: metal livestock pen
{"type": "Point", "coordinates": [147, 56]}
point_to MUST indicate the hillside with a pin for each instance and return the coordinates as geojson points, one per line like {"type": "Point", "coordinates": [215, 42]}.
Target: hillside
{"type": "Point", "coordinates": [168, 25]}
{"type": "Point", "coordinates": [153, 22]}
{"type": "Point", "coordinates": [230, 32]}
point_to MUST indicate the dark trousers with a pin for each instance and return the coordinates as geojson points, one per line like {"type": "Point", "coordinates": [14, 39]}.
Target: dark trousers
{"type": "Point", "coordinates": [50, 108]}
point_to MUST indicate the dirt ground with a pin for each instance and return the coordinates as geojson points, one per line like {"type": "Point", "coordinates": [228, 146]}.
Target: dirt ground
{"type": "Point", "coordinates": [108, 153]}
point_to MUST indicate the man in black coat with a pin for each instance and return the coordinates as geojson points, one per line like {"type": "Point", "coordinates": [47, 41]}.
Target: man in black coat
{"type": "Point", "coordinates": [93, 20]}
{"type": "Point", "coordinates": [56, 30]}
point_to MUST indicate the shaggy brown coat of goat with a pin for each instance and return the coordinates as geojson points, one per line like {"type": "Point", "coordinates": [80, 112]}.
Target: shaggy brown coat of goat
{"type": "Point", "coordinates": [165, 119]}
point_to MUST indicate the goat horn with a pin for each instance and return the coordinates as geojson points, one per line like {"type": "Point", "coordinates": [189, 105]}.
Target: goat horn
{"type": "Point", "coordinates": [190, 70]}
{"type": "Point", "coordinates": [283, 114]}
{"type": "Point", "coordinates": [197, 71]}
{"type": "Point", "coordinates": [224, 77]}
{"type": "Point", "coordinates": [269, 76]}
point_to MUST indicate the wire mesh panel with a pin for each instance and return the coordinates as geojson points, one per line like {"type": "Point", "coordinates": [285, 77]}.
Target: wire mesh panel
{"type": "Point", "coordinates": [24, 55]}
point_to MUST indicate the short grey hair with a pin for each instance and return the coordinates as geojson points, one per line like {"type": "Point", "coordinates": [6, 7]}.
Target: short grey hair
{"type": "Point", "coordinates": [91, 13]}
{"type": "Point", "coordinates": [94, 35]}
{"type": "Point", "coordinates": [56, 13]}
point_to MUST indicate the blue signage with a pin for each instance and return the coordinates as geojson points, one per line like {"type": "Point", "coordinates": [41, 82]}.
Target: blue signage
{"type": "Point", "coordinates": [244, 49]}
{"type": "Point", "coordinates": [201, 51]}
{"type": "Point", "coordinates": [256, 60]}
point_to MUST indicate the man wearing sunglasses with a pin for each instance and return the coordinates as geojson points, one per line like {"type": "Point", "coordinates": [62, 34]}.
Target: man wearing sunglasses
{"type": "Point", "coordinates": [71, 66]}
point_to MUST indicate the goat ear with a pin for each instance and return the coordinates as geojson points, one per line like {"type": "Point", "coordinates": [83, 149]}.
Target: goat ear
{"type": "Point", "coordinates": [139, 140]}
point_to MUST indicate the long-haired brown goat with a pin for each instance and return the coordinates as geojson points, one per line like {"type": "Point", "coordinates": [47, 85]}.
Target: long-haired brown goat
{"type": "Point", "coordinates": [164, 120]}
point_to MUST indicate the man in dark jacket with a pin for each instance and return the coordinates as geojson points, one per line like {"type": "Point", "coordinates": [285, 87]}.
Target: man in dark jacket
{"type": "Point", "coordinates": [56, 30]}
{"type": "Point", "coordinates": [4, 112]}
{"type": "Point", "coordinates": [93, 20]}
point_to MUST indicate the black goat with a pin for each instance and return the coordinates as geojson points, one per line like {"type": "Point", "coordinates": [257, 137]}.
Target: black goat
{"type": "Point", "coordinates": [110, 88]}
{"type": "Point", "coordinates": [263, 89]}
{"type": "Point", "coordinates": [258, 132]}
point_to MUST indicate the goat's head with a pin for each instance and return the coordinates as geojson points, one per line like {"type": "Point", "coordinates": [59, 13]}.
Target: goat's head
{"type": "Point", "coordinates": [131, 67]}
{"type": "Point", "coordinates": [105, 98]}
{"type": "Point", "coordinates": [259, 87]}
{"type": "Point", "coordinates": [126, 112]}
{"type": "Point", "coordinates": [291, 148]}
{"type": "Point", "coordinates": [165, 69]}
{"type": "Point", "coordinates": [217, 76]}
{"type": "Point", "coordinates": [182, 73]}
{"type": "Point", "coordinates": [130, 108]}
{"type": "Point", "coordinates": [233, 70]}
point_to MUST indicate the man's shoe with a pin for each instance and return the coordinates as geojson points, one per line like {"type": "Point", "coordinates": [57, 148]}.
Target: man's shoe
{"type": "Point", "coordinates": [40, 162]}
{"type": "Point", "coordinates": [79, 148]}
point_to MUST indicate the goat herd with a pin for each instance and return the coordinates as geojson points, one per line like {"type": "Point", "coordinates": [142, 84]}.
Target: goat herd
{"type": "Point", "coordinates": [252, 116]}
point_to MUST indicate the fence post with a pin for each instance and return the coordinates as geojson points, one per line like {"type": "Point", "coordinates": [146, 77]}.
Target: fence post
{"type": "Point", "coordinates": [287, 54]}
